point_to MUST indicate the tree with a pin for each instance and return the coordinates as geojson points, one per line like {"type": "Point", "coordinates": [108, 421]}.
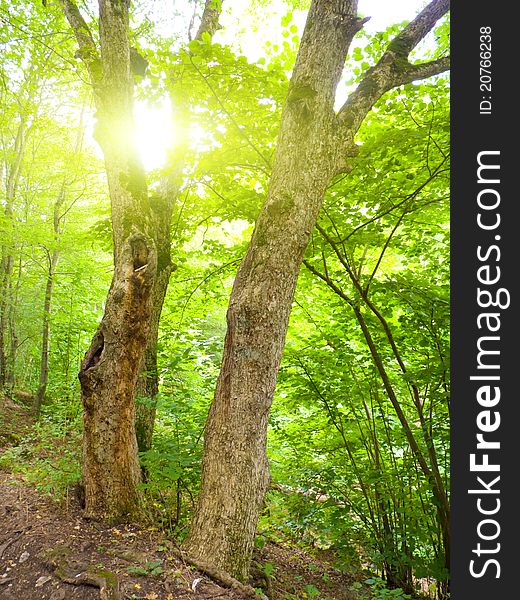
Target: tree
{"type": "Point", "coordinates": [361, 264]}
{"type": "Point", "coordinates": [13, 150]}
{"type": "Point", "coordinates": [314, 145]}
{"type": "Point", "coordinates": [110, 368]}
{"type": "Point", "coordinates": [148, 384]}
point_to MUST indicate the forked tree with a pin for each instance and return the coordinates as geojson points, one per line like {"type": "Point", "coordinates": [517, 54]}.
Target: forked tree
{"type": "Point", "coordinates": [110, 368]}
{"type": "Point", "coordinates": [314, 145]}
{"type": "Point", "coordinates": [122, 358]}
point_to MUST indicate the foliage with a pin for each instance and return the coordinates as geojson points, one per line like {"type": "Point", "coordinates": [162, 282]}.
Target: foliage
{"type": "Point", "coordinates": [344, 476]}
{"type": "Point", "coordinates": [379, 591]}
{"type": "Point", "coordinates": [48, 457]}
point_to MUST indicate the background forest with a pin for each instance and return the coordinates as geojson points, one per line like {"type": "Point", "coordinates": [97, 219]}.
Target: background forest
{"type": "Point", "coordinates": [358, 433]}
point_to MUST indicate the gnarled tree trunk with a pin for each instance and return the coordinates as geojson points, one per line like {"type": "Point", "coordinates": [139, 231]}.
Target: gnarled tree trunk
{"type": "Point", "coordinates": [110, 369]}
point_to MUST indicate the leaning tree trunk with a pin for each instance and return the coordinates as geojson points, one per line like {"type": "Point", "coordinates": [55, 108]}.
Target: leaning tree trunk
{"type": "Point", "coordinates": [235, 469]}
{"type": "Point", "coordinates": [313, 146]}
{"type": "Point", "coordinates": [110, 368]}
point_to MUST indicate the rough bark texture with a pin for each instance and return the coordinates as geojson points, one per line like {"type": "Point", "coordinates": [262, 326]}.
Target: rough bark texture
{"type": "Point", "coordinates": [313, 146]}
{"type": "Point", "coordinates": [235, 468]}
{"type": "Point", "coordinates": [108, 376]}
{"type": "Point", "coordinates": [210, 19]}
{"type": "Point", "coordinates": [148, 384]}
{"type": "Point", "coordinates": [109, 371]}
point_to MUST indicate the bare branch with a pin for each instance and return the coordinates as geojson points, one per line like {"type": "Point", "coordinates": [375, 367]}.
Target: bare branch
{"type": "Point", "coordinates": [88, 51]}
{"type": "Point", "coordinates": [209, 21]}
{"type": "Point", "coordinates": [394, 68]}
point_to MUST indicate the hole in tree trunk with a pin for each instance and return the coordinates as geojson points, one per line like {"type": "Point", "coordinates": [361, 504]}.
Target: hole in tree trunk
{"type": "Point", "coordinates": [96, 354]}
{"type": "Point", "coordinates": [139, 253]}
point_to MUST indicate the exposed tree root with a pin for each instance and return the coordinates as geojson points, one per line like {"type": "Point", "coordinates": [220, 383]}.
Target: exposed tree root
{"type": "Point", "coordinates": [106, 581]}
{"type": "Point", "coordinates": [217, 575]}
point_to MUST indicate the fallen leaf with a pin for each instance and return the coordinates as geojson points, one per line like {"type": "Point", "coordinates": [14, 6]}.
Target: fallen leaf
{"type": "Point", "coordinates": [42, 580]}
{"type": "Point", "coordinates": [195, 583]}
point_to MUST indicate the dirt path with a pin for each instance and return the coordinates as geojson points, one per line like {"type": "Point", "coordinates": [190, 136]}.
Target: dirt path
{"type": "Point", "coordinates": [42, 546]}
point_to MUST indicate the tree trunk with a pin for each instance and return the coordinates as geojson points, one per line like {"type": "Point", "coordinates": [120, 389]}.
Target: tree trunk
{"type": "Point", "coordinates": [148, 384]}
{"type": "Point", "coordinates": [313, 146]}
{"type": "Point", "coordinates": [53, 258]}
{"type": "Point", "coordinates": [110, 368]}
{"type": "Point", "coordinates": [235, 469]}
{"type": "Point", "coordinates": [12, 171]}
{"type": "Point", "coordinates": [5, 285]}
{"type": "Point", "coordinates": [108, 375]}
{"type": "Point", "coordinates": [46, 330]}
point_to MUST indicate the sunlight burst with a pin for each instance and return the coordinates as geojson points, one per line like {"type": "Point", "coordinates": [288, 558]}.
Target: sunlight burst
{"type": "Point", "coordinates": [155, 133]}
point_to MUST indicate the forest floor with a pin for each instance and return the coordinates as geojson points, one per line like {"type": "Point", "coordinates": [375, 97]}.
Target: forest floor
{"type": "Point", "coordinates": [49, 552]}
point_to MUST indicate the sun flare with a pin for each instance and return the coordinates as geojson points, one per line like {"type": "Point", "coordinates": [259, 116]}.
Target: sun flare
{"type": "Point", "coordinates": [155, 133]}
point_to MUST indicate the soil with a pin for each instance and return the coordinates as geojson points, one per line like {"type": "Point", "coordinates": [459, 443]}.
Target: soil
{"type": "Point", "coordinates": [48, 551]}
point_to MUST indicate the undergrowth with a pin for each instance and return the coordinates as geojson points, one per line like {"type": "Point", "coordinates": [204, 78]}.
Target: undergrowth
{"type": "Point", "coordinates": [48, 456]}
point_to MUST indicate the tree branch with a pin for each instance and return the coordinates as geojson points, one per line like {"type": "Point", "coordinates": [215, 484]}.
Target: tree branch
{"type": "Point", "coordinates": [417, 29]}
{"type": "Point", "coordinates": [88, 51]}
{"type": "Point", "coordinates": [424, 70]}
{"type": "Point", "coordinates": [209, 21]}
{"type": "Point", "coordinates": [393, 69]}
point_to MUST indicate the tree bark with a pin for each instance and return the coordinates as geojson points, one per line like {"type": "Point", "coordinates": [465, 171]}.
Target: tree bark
{"type": "Point", "coordinates": [46, 330]}
{"type": "Point", "coordinates": [53, 258]}
{"type": "Point", "coordinates": [110, 368]}
{"type": "Point", "coordinates": [148, 382]}
{"type": "Point", "coordinates": [235, 469]}
{"type": "Point", "coordinates": [313, 146]}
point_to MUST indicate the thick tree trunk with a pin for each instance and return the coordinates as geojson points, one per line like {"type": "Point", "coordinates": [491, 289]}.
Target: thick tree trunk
{"type": "Point", "coordinates": [235, 469]}
{"type": "Point", "coordinates": [108, 376]}
{"type": "Point", "coordinates": [313, 146]}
